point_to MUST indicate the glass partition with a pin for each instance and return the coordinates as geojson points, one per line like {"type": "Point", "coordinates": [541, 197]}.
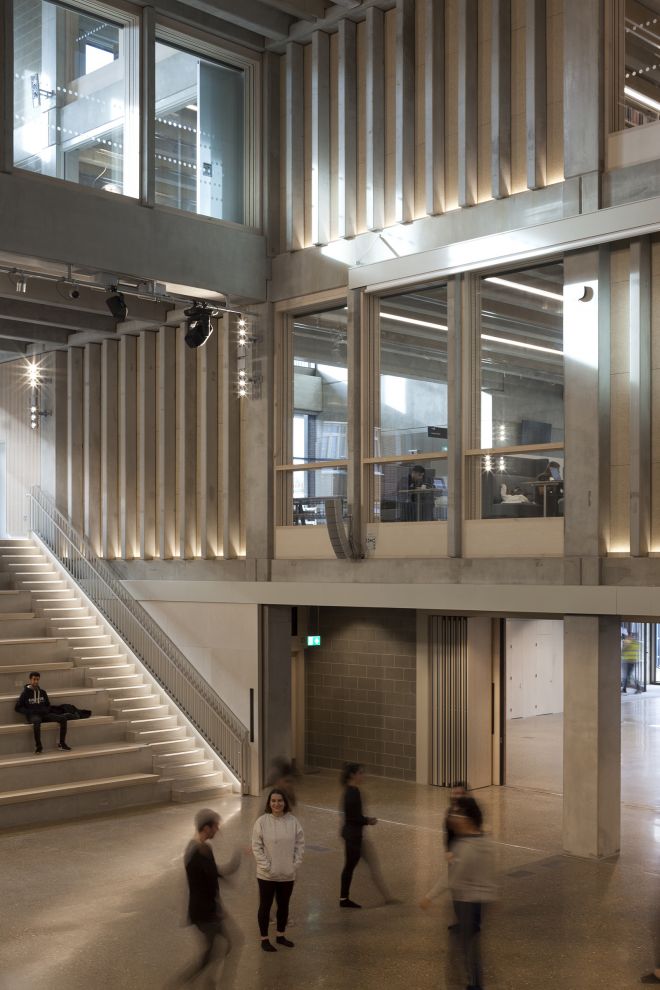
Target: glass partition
{"type": "Point", "coordinates": [199, 134]}
{"type": "Point", "coordinates": [72, 96]}
{"type": "Point", "coordinates": [522, 358]}
{"type": "Point", "coordinates": [310, 489]}
{"type": "Point", "coordinates": [519, 486]}
{"type": "Point", "coordinates": [320, 387]}
{"type": "Point", "coordinates": [412, 386]}
{"type": "Point", "coordinates": [410, 491]}
{"type": "Point", "coordinates": [641, 94]}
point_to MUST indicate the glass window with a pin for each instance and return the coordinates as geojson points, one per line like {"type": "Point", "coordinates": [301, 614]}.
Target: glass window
{"type": "Point", "coordinates": [199, 134]}
{"type": "Point", "coordinates": [407, 491]}
{"type": "Point", "coordinates": [412, 406]}
{"type": "Point", "coordinates": [642, 54]}
{"type": "Point", "coordinates": [522, 360]}
{"type": "Point", "coordinates": [311, 489]}
{"type": "Point", "coordinates": [521, 486]}
{"type": "Point", "coordinates": [320, 387]}
{"type": "Point", "coordinates": [73, 116]}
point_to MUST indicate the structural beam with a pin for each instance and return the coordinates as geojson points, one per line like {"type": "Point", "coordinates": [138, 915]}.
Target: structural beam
{"type": "Point", "coordinates": [404, 173]}
{"type": "Point", "coordinates": [347, 130]}
{"type": "Point", "coordinates": [375, 120]}
{"type": "Point", "coordinates": [320, 137]}
{"type": "Point", "coordinates": [249, 14]}
{"type": "Point", "coordinates": [500, 98]}
{"type": "Point", "coordinates": [17, 330]}
{"type": "Point", "coordinates": [434, 106]}
{"type": "Point", "coordinates": [25, 311]}
{"type": "Point", "coordinates": [468, 53]}
{"type": "Point", "coordinates": [536, 98]}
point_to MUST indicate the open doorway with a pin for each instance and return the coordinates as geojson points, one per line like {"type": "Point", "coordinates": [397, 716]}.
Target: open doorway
{"type": "Point", "coordinates": [534, 703]}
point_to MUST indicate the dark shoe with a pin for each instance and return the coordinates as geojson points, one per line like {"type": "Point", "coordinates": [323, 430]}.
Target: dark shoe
{"type": "Point", "coordinates": [38, 749]}
{"type": "Point", "coordinates": [266, 946]}
{"type": "Point", "coordinates": [347, 902]}
{"type": "Point", "coordinates": [454, 929]}
{"type": "Point", "coordinates": [623, 691]}
{"type": "Point", "coordinates": [282, 940]}
{"type": "Point", "coordinates": [63, 746]}
{"type": "Point", "coordinates": [650, 978]}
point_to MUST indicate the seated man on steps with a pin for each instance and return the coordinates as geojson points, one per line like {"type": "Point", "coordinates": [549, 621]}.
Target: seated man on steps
{"type": "Point", "coordinates": [35, 705]}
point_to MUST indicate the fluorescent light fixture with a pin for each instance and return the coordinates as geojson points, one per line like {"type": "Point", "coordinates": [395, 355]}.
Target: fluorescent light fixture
{"type": "Point", "coordinates": [409, 319]}
{"type": "Point", "coordinates": [191, 106]}
{"type": "Point", "coordinates": [521, 343]}
{"type": "Point", "coordinates": [638, 97]}
{"type": "Point", "coordinates": [531, 289]}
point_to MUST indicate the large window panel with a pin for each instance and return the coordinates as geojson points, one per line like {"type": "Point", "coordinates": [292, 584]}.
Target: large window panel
{"type": "Point", "coordinates": [199, 134]}
{"type": "Point", "coordinates": [75, 98]}
{"type": "Point", "coordinates": [520, 472]}
{"type": "Point", "coordinates": [412, 408]}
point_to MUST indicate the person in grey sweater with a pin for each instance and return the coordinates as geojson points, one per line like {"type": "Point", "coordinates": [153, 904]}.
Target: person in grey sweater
{"type": "Point", "coordinates": [278, 844]}
{"type": "Point", "coordinates": [471, 881]}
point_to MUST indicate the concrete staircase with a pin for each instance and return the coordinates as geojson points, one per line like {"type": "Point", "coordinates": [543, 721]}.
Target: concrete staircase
{"type": "Point", "coordinates": [136, 749]}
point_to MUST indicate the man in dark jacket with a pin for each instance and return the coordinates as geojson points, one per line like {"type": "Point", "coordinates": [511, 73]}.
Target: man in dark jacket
{"type": "Point", "coordinates": [205, 909]}
{"type": "Point", "coordinates": [35, 705]}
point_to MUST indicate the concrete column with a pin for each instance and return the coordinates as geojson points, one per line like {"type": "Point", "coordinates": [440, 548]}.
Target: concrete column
{"type": "Point", "coordinates": [146, 444]}
{"type": "Point", "coordinates": [147, 101]}
{"type": "Point", "coordinates": [500, 98]}
{"type": "Point", "coordinates": [583, 87]}
{"type": "Point", "coordinates": [404, 199]}
{"type": "Point", "coordinates": [258, 440]}
{"type": "Point", "coordinates": [592, 736]}
{"type": "Point", "coordinates": [275, 683]}
{"type": "Point", "coordinates": [587, 408]}
{"type": "Point", "coordinates": [128, 441]}
{"type": "Point", "coordinates": [109, 448]}
{"type": "Point", "coordinates": [186, 449]}
{"type": "Point", "coordinates": [53, 429]}
{"type": "Point", "coordinates": [320, 137]}
{"type": "Point", "coordinates": [92, 445]}
{"type": "Point", "coordinates": [6, 86]}
{"type": "Point", "coordinates": [74, 401]}
{"type": "Point", "coordinates": [271, 158]}
{"type": "Point", "coordinates": [207, 447]}
{"type": "Point", "coordinates": [536, 98]}
{"type": "Point", "coordinates": [640, 396]}
{"type": "Point", "coordinates": [468, 57]}
{"type": "Point", "coordinates": [434, 106]}
{"type": "Point", "coordinates": [166, 464]}
{"type": "Point", "coordinates": [230, 469]}
{"type": "Point", "coordinates": [346, 129]}
{"type": "Point", "coordinates": [374, 111]}
{"type": "Point", "coordinates": [294, 205]}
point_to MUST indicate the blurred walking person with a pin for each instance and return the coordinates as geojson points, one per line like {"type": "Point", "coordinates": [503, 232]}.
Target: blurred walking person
{"type": "Point", "coordinates": [278, 845]}
{"type": "Point", "coordinates": [631, 654]}
{"type": "Point", "coordinates": [471, 882]}
{"type": "Point", "coordinates": [222, 936]}
{"type": "Point", "coordinates": [356, 846]}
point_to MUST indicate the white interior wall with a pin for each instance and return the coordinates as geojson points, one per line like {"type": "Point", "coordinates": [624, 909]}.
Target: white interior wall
{"type": "Point", "coordinates": [534, 667]}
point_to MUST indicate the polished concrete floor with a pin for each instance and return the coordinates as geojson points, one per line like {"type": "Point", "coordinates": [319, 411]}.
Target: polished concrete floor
{"type": "Point", "coordinates": [101, 903]}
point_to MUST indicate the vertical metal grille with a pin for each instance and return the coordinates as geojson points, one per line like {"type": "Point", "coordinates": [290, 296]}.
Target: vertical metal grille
{"type": "Point", "coordinates": [448, 644]}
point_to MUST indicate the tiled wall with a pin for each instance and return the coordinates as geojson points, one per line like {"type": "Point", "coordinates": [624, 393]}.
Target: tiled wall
{"type": "Point", "coordinates": [361, 691]}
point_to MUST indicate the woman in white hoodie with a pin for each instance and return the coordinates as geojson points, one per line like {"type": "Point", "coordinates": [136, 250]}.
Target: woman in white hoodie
{"type": "Point", "coordinates": [278, 844]}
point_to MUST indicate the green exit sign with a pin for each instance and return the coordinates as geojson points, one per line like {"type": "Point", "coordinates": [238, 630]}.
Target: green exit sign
{"type": "Point", "coordinates": [313, 640]}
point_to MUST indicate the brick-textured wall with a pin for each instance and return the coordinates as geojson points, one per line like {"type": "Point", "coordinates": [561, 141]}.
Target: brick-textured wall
{"type": "Point", "coordinates": [361, 691]}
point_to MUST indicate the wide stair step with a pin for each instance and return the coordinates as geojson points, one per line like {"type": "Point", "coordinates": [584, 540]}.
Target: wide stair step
{"type": "Point", "coordinates": [81, 798]}
{"type": "Point", "coordinates": [83, 763]}
{"type": "Point", "coordinates": [98, 730]}
{"type": "Point", "coordinates": [56, 674]}
{"type": "Point", "coordinates": [200, 788]}
{"type": "Point", "coordinates": [22, 627]}
{"type": "Point", "coordinates": [12, 600]}
{"type": "Point", "coordinates": [33, 649]}
{"type": "Point", "coordinates": [82, 697]}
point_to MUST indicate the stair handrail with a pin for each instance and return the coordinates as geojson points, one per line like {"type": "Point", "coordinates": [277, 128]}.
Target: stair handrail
{"type": "Point", "coordinates": [180, 680]}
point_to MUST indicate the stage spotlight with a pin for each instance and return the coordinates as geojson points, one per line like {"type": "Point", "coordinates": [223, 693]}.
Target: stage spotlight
{"type": "Point", "coordinates": [117, 304]}
{"type": "Point", "coordinates": [198, 325]}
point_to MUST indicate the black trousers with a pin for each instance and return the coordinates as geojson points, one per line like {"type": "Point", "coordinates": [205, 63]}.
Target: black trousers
{"type": "Point", "coordinates": [353, 852]}
{"type": "Point", "coordinates": [469, 920]}
{"type": "Point", "coordinates": [281, 890]}
{"type": "Point", "coordinates": [36, 720]}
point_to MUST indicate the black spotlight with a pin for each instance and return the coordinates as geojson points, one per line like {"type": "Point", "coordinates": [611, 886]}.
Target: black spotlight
{"type": "Point", "coordinates": [198, 325]}
{"type": "Point", "coordinates": [117, 304]}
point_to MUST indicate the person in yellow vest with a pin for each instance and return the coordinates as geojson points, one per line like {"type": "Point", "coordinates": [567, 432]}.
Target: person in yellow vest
{"type": "Point", "coordinates": [631, 653]}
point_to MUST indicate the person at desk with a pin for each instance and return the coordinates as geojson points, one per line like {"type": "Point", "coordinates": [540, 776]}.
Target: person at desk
{"type": "Point", "coordinates": [550, 490]}
{"type": "Point", "coordinates": [416, 495]}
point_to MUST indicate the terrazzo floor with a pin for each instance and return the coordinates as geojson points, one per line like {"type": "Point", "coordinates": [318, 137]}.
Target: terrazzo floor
{"type": "Point", "coordinates": [101, 903]}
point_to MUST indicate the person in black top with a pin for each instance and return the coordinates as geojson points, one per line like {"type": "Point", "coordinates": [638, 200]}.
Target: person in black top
{"type": "Point", "coordinates": [35, 705]}
{"type": "Point", "coordinates": [357, 847]}
{"type": "Point", "coordinates": [205, 909]}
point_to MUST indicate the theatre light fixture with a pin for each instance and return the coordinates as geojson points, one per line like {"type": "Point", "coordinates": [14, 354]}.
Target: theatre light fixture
{"type": "Point", "coordinates": [117, 304]}
{"type": "Point", "coordinates": [198, 324]}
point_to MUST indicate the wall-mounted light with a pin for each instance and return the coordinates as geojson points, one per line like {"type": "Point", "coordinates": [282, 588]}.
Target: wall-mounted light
{"type": "Point", "coordinates": [247, 382]}
{"type": "Point", "coordinates": [34, 380]}
{"type": "Point", "coordinates": [117, 304]}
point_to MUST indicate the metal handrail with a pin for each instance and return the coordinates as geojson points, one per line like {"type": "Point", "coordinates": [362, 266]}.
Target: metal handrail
{"type": "Point", "coordinates": [205, 709]}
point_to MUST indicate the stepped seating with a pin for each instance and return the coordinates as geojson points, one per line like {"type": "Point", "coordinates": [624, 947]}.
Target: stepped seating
{"type": "Point", "coordinates": [134, 749]}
